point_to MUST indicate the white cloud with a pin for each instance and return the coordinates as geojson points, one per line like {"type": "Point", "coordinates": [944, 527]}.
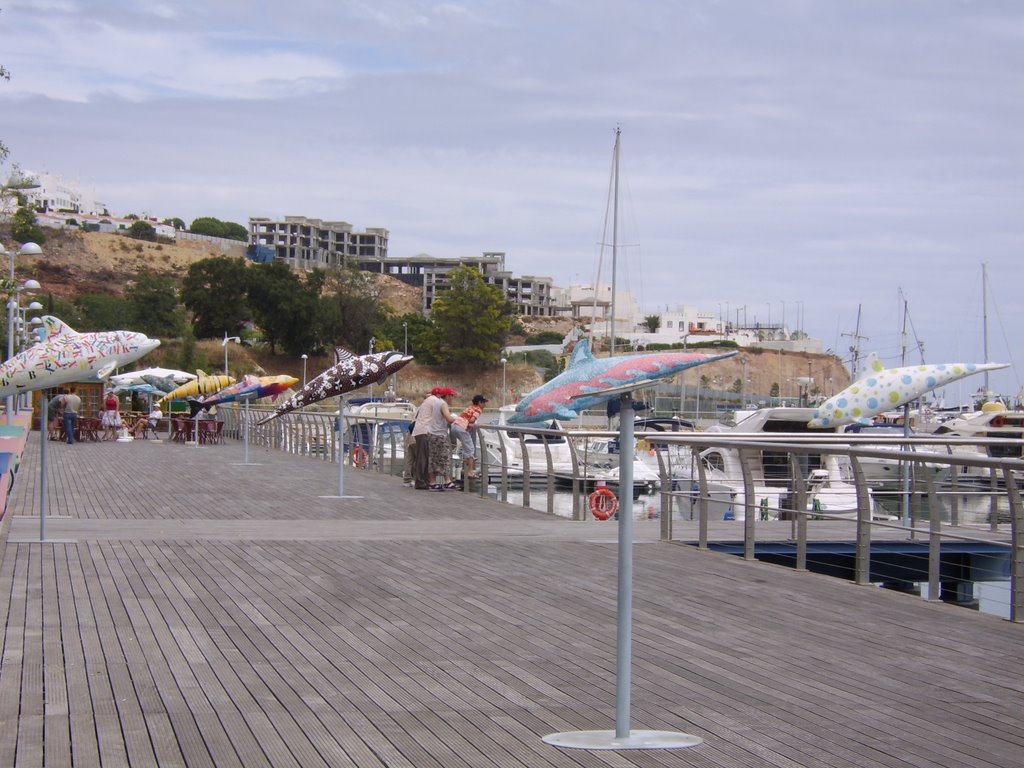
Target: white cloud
{"type": "Point", "coordinates": [825, 153]}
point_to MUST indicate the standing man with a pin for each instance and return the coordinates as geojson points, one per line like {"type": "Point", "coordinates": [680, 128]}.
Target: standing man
{"type": "Point", "coordinates": [72, 402]}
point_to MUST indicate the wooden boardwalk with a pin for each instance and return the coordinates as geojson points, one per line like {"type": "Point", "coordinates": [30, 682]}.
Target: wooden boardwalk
{"type": "Point", "coordinates": [189, 610]}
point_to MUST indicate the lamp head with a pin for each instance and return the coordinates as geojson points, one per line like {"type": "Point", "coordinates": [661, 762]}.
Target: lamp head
{"type": "Point", "coordinates": [30, 249]}
{"type": "Point", "coordinates": [31, 284]}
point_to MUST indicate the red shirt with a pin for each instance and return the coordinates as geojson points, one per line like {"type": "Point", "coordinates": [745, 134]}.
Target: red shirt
{"type": "Point", "coordinates": [472, 413]}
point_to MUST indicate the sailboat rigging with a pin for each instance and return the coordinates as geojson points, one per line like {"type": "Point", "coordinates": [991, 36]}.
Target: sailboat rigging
{"type": "Point", "coordinates": [614, 205]}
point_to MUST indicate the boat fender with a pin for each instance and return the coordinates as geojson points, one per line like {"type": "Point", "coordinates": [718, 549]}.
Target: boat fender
{"type": "Point", "coordinates": [603, 503]}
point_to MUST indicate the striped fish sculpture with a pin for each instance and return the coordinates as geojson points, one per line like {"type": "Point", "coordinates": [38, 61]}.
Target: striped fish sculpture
{"type": "Point", "coordinates": [249, 388]}
{"type": "Point", "coordinates": [349, 373]}
{"type": "Point", "coordinates": [560, 397]}
{"type": "Point", "coordinates": [881, 389]}
{"type": "Point", "coordinates": [65, 355]}
{"type": "Point", "coordinates": [203, 385]}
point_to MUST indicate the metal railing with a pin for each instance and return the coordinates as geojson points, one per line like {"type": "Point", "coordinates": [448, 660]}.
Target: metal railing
{"type": "Point", "coordinates": [556, 462]}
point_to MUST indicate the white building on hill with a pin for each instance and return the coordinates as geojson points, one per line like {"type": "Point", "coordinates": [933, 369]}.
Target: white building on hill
{"type": "Point", "coordinates": [55, 194]}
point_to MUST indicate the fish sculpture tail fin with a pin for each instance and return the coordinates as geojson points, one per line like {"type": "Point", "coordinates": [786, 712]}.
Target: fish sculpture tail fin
{"type": "Point", "coordinates": [195, 407]}
{"type": "Point", "coordinates": [54, 326]}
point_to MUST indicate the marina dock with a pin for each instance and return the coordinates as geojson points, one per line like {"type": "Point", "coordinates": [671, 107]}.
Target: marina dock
{"type": "Point", "coordinates": [187, 608]}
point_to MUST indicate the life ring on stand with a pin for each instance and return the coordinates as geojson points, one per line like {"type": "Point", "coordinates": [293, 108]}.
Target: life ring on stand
{"type": "Point", "coordinates": [603, 503]}
{"type": "Point", "coordinates": [359, 456]}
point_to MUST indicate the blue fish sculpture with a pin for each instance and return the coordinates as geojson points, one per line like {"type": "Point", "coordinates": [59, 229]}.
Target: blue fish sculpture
{"type": "Point", "coordinates": [560, 397]}
{"type": "Point", "coordinates": [880, 389]}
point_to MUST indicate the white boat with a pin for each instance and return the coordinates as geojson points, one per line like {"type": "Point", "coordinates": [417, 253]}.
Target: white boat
{"type": "Point", "coordinates": [828, 477]}
{"type": "Point", "coordinates": [885, 474]}
{"type": "Point", "coordinates": [596, 459]}
{"type": "Point", "coordinates": [994, 420]}
{"type": "Point", "coordinates": [378, 427]}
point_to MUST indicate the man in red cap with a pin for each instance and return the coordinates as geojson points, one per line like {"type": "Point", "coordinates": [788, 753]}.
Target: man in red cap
{"type": "Point", "coordinates": [433, 454]}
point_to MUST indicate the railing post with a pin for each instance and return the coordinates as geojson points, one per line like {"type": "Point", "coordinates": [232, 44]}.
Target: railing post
{"type": "Point", "coordinates": [798, 529]}
{"type": "Point", "coordinates": [702, 526]}
{"type": "Point", "coordinates": [526, 469]}
{"type": "Point", "coordinates": [665, 478]}
{"type": "Point", "coordinates": [863, 558]}
{"type": "Point", "coordinates": [578, 509]}
{"type": "Point", "coordinates": [934, 541]}
{"type": "Point", "coordinates": [1016, 548]}
{"type": "Point", "coordinates": [551, 475]}
{"type": "Point", "coordinates": [749, 506]}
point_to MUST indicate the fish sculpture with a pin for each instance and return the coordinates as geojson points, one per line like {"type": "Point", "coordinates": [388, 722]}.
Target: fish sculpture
{"type": "Point", "coordinates": [880, 389]}
{"type": "Point", "coordinates": [63, 355]}
{"type": "Point", "coordinates": [249, 388]}
{"type": "Point", "coordinates": [348, 373]}
{"type": "Point", "coordinates": [161, 384]}
{"type": "Point", "coordinates": [203, 385]}
{"type": "Point", "coordinates": [560, 397]}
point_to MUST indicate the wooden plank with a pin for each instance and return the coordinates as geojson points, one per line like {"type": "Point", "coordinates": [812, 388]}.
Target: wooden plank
{"type": "Point", "coordinates": [224, 616]}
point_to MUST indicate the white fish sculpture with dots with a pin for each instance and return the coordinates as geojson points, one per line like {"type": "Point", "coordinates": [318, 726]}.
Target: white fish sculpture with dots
{"type": "Point", "coordinates": [881, 389]}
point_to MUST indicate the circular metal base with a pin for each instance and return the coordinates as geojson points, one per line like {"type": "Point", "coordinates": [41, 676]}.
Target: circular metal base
{"type": "Point", "coordinates": [635, 740]}
{"type": "Point", "coordinates": [341, 497]}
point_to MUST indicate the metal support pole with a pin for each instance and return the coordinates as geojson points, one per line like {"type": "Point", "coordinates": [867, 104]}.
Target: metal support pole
{"type": "Point", "coordinates": [622, 737]}
{"type": "Point", "coordinates": [44, 437]}
{"type": "Point", "coordinates": [624, 633]}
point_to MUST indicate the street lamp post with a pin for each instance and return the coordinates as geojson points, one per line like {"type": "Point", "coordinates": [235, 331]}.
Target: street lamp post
{"type": "Point", "coordinates": [304, 358]}
{"type": "Point", "coordinates": [504, 363]}
{"type": "Point", "coordinates": [682, 380]}
{"type": "Point", "coordinates": [27, 249]}
{"type": "Point", "coordinates": [224, 344]}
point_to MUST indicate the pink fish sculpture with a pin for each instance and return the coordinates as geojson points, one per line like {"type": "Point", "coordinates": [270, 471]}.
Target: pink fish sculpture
{"type": "Point", "coordinates": [561, 397]}
{"type": "Point", "coordinates": [249, 388]}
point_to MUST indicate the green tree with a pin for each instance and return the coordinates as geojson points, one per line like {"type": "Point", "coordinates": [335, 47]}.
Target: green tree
{"type": "Point", "coordinates": [102, 312]}
{"type": "Point", "coordinates": [348, 311]}
{"type": "Point", "coordinates": [545, 337]}
{"type": "Point", "coordinates": [652, 323]}
{"type": "Point", "coordinates": [208, 225]}
{"type": "Point", "coordinates": [154, 306]}
{"type": "Point", "coordinates": [175, 222]}
{"type": "Point", "coordinates": [142, 230]}
{"type": "Point", "coordinates": [412, 326]}
{"type": "Point", "coordinates": [24, 228]}
{"type": "Point", "coordinates": [214, 291]}
{"type": "Point", "coordinates": [282, 306]}
{"type": "Point", "coordinates": [472, 320]}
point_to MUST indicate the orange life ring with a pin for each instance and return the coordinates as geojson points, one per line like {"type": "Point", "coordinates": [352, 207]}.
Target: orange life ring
{"type": "Point", "coordinates": [603, 503]}
{"type": "Point", "coordinates": [359, 457]}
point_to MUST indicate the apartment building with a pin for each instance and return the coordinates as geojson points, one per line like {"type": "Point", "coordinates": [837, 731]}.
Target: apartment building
{"type": "Point", "coordinates": [307, 243]}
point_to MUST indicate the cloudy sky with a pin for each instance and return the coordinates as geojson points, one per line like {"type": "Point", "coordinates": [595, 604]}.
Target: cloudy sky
{"type": "Point", "coordinates": [781, 158]}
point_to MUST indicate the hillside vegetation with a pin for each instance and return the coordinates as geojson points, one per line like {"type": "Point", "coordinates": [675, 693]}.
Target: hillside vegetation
{"type": "Point", "coordinates": [77, 263]}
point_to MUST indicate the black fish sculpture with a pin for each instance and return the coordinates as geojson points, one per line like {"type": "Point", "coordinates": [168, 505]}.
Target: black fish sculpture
{"type": "Point", "coordinates": [349, 373]}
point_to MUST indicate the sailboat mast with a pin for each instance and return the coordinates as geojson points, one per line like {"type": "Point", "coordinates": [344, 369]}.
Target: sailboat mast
{"type": "Point", "coordinates": [984, 319]}
{"type": "Point", "coordinates": [615, 229]}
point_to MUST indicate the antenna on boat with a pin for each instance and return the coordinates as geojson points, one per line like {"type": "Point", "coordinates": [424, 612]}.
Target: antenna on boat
{"type": "Point", "coordinates": [855, 340]}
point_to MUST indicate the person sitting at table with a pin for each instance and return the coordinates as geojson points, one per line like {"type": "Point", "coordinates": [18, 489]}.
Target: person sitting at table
{"type": "Point", "coordinates": [147, 422]}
